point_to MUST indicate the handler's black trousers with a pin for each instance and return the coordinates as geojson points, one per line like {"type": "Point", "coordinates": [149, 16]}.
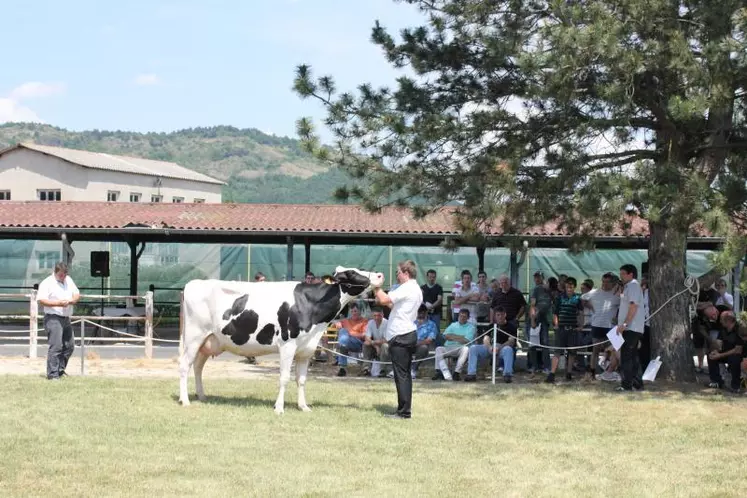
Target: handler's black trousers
{"type": "Point", "coordinates": [401, 349]}
{"type": "Point", "coordinates": [61, 343]}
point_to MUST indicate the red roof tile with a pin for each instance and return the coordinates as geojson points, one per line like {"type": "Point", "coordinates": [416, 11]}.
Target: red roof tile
{"type": "Point", "coordinates": [249, 218]}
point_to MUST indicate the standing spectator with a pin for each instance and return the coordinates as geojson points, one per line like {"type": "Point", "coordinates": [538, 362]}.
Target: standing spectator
{"type": "Point", "coordinates": [567, 320]}
{"type": "Point", "coordinates": [730, 352]}
{"type": "Point", "coordinates": [509, 298]}
{"type": "Point", "coordinates": [705, 327]}
{"type": "Point", "coordinates": [350, 336]}
{"type": "Point", "coordinates": [505, 348]}
{"type": "Point", "coordinates": [457, 335]}
{"type": "Point", "coordinates": [540, 314]}
{"type": "Point", "coordinates": [603, 304]}
{"type": "Point", "coordinates": [401, 331]}
{"type": "Point", "coordinates": [58, 293]}
{"type": "Point", "coordinates": [309, 277]}
{"type": "Point", "coordinates": [259, 277]}
{"type": "Point", "coordinates": [375, 346]}
{"type": "Point", "coordinates": [483, 304]}
{"type": "Point", "coordinates": [466, 296]}
{"type": "Point", "coordinates": [433, 297]}
{"type": "Point", "coordinates": [644, 351]}
{"type": "Point", "coordinates": [427, 333]}
{"type": "Point", "coordinates": [630, 323]}
{"type": "Point", "coordinates": [724, 299]}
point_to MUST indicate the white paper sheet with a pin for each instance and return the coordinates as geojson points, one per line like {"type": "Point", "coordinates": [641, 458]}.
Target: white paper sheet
{"type": "Point", "coordinates": [616, 340]}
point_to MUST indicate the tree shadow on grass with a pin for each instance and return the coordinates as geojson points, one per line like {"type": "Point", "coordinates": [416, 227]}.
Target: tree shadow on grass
{"type": "Point", "coordinates": [250, 401]}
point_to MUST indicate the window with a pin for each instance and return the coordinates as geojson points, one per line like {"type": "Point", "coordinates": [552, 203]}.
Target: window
{"type": "Point", "coordinates": [177, 200]}
{"type": "Point", "coordinates": [112, 196]}
{"type": "Point", "coordinates": [199, 201]}
{"type": "Point", "coordinates": [156, 198]}
{"type": "Point", "coordinates": [46, 260]}
{"type": "Point", "coordinates": [4, 195]}
{"type": "Point", "coordinates": [49, 195]}
{"type": "Point", "coordinates": [135, 197]}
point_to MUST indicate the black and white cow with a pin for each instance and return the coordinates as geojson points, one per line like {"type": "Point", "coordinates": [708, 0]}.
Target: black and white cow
{"type": "Point", "coordinates": [258, 318]}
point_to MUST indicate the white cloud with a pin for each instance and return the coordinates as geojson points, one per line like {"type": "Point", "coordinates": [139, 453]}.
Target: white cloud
{"type": "Point", "coordinates": [147, 79]}
{"type": "Point", "coordinates": [36, 89]}
{"type": "Point", "coordinates": [12, 108]}
{"type": "Point", "coordinates": [11, 111]}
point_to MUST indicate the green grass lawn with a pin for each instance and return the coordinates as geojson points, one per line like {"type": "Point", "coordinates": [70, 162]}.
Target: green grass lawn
{"type": "Point", "coordinates": [119, 437]}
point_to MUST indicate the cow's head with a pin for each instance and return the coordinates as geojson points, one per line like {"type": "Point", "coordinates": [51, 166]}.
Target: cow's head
{"type": "Point", "coordinates": [355, 282]}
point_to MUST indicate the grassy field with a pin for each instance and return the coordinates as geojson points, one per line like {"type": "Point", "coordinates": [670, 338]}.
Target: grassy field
{"type": "Point", "coordinates": [119, 437]}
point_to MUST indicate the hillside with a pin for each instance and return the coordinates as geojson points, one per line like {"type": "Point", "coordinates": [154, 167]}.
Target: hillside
{"type": "Point", "coordinates": [257, 167]}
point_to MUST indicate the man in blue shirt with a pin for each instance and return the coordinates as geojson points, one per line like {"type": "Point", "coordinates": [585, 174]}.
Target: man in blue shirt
{"type": "Point", "coordinates": [427, 332]}
{"type": "Point", "coordinates": [457, 336]}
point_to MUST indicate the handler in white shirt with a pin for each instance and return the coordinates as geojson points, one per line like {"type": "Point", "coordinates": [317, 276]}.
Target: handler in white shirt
{"type": "Point", "coordinates": [58, 293]}
{"type": "Point", "coordinates": [401, 331]}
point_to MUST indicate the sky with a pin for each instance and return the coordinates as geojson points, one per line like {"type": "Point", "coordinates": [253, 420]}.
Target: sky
{"type": "Point", "coordinates": [158, 65]}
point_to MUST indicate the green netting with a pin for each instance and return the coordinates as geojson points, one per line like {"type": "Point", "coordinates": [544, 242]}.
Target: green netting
{"type": "Point", "coordinates": [170, 266]}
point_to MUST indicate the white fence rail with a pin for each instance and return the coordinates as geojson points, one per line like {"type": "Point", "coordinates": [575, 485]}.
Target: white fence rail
{"type": "Point", "coordinates": [33, 322]}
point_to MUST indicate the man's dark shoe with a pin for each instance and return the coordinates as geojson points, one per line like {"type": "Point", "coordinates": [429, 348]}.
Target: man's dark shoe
{"type": "Point", "coordinates": [568, 377]}
{"type": "Point", "coordinates": [396, 416]}
{"type": "Point", "coordinates": [342, 373]}
{"type": "Point", "coordinates": [470, 378]}
{"type": "Point", "coordinates": [507, 379]}
{"type": "Point", "coordinates": [456, 376]}
{"type": "Point", "coordinates": [365, 372]}
{"type": "Point", "coordinates": [438, 375]}
{"type": "Point", "coordinates": [550, 378]}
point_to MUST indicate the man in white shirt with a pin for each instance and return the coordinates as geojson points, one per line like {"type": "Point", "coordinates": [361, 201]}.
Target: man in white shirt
{"type": "Point", "coordinates": [58, 293]}
{"type": "Point", "coordinates": [401, 331]}
{"type": "Point", "coordinates": [375, 346]}
{"type": "Point", "coordinates": [630, 322]}
{"type": "Point", "coordinates": [603, 304]}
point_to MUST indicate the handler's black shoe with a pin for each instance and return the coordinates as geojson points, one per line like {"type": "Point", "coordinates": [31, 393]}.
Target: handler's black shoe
{"type": "Point", "coordinates": [396, 416]}
{"type": "Point", "coordinates": [438, 375]}
{"type": "Point", "coordinates": [342, 372]}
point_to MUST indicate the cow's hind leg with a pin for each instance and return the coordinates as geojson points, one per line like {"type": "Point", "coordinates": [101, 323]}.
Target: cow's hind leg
{"type": "Point", "coordinates": [287, 352]}
{"type": "Point", "coordinates": [302, 368]}
{"type": "Point", "coordinates": [185, 363]}
{"type": "Point", "coordinates": [198, 366]}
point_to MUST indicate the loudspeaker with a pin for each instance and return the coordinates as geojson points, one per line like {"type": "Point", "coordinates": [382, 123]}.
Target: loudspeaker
{"type": "Point", "coordinates": [99, 263]}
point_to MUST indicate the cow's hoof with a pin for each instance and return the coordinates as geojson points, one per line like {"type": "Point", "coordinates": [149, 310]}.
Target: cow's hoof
{"type": "Point", "coordinates": [304, 408]}
{"type": "Point", "coordinates": [279, 410]}
{"type": "Point", "coordinates": [184, 402]}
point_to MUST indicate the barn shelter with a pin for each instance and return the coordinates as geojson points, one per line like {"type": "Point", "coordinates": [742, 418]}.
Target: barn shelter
{"type": "Point", "coordinates": [140, 223]}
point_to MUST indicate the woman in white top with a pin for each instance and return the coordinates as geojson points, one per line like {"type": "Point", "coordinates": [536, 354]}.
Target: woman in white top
{"type": "Point", "coordinates": [401, 331]}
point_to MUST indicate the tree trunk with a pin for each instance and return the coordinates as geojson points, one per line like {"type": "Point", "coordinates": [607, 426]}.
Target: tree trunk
{"type": "Point", "coordinates": [670, 327]}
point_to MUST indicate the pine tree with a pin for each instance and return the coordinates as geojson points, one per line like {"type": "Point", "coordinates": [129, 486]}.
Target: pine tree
{"type": "Point", "coordinates": [584, 112]}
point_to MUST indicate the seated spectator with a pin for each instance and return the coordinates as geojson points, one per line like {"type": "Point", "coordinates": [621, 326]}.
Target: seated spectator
{"type": "Point", "coordinates": [505, 348]}
{"type": "Point", "coordinates": [609, 365]}
{"type": "Point", "coordinates": [375, 345]}
{"type": "Point", "coordinates": [705, 327]}
{"type": "Point", "coordinates": [350, 336]}
{"type": "Point", "coordinates": [427, 333]}
{"type": "Point", "coordinates": [730, 348]}
{"type": "Point", "coordinates": [457, 335]}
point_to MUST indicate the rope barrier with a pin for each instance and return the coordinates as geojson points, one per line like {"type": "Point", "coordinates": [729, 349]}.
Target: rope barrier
{"type": "Point", "coordinates": [127, 334]}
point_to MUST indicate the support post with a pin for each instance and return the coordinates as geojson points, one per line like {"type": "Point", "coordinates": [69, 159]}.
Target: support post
{"type": "Point", "coordinates": [307, 255]}
{"type": "Point", "coordinates": [735, 282]}
{"type": "Point", "coordinates": [495, 343]}
{"type": "Point", "coordinates": [289, 267]}
{"type": "Point", "coordinates": [181, 323]}
{"type": "Point", "coordinates": [82, 347]}
{"type": "Point", "coordinates": [514, 268]}
{"type": "Point", "coordinates": [149, 325]}
{"type": "Point", "coordinates": [480, 258]}
{"type": "Point", "coordinates": [133, 267]}
{"type": "Point", "coordinates": [33, 324]}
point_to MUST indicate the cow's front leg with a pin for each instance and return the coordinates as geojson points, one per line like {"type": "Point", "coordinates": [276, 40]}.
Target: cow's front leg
{"type": "Point", "coordinates": [302, 368]}
{"type": "Point", "coordinates": [287, 352]}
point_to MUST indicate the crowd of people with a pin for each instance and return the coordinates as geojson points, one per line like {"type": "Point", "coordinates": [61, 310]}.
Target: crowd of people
{"type": "Point", "coordinates": [559, 319]}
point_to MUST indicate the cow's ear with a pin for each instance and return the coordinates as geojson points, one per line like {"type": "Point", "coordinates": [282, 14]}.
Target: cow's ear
{"type": "Point", "coordinates": [329, 279]}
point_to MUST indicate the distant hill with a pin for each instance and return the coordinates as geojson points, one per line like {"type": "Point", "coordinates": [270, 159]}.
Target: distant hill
{"type": "Point", "coordinates": [256, 167]}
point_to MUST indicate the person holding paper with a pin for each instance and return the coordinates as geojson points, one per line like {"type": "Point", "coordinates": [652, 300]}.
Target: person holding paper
{"type": "Point", "coordinates": [630, 322]}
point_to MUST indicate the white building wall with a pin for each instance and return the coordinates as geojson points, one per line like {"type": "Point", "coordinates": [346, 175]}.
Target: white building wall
{"type": "Point", "coordinates": [23, 172]}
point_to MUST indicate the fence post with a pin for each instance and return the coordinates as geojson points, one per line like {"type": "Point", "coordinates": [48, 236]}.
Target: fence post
{"type": "Point", "coordinates": [495, 341]}
{"type": "Point", "coordinates": [33, 324]}
{"type": "Point", "coordinates": [181, 323]}
{"type": "Point", "coordinates": [149, 324]}
{"type": "Point", "coordinates": [82, 347]}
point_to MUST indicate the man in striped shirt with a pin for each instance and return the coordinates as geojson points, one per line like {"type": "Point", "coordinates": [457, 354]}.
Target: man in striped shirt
{"type": "Point", "coordinates": [568, 322]}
